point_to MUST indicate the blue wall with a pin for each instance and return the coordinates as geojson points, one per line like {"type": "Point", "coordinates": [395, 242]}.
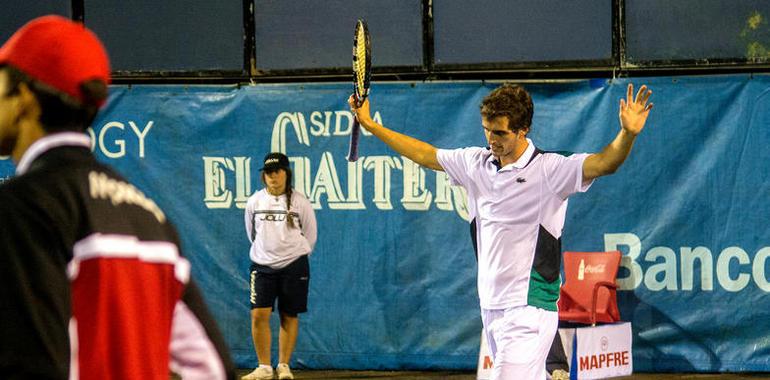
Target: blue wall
{"type": "Point", "coordinates": [393, 274]}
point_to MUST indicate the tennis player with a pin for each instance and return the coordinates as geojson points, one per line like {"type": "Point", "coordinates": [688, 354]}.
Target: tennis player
{"type": "Point", "coordinates": [517, 197]}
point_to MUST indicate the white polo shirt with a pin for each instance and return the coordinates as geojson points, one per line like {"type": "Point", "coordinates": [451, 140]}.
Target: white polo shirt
{"type": "Point", "coordinates": [519, 211]}
{"type": "Point", "coordinates": [273, 243]}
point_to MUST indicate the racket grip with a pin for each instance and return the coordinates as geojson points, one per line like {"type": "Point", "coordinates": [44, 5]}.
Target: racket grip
{"type": "Point", "coordinates": [353, 147]}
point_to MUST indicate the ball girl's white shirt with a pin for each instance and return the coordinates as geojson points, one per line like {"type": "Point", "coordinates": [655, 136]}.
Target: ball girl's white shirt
{"type": "Point", "coordinates": [273, 242]}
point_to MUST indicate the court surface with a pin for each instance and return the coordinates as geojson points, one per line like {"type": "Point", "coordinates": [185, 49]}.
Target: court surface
{"type": "Point", "coordinates": [415, 375]}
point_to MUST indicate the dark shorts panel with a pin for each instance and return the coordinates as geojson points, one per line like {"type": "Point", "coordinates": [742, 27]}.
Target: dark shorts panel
{"type": "Point", "coordinates": [288, 285]}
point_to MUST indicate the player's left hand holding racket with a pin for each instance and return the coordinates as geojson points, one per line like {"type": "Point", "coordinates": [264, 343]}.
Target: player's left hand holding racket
{"type": "Point", "coordinates": [362, 73]}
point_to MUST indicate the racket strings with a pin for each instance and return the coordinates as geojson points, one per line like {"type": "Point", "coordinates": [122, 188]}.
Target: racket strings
{"type": "Point", "coordinates": [359, 64]}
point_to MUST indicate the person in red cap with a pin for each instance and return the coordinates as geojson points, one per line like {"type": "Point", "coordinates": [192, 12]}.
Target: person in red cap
{"type": "Point", "coordinates": [92, 281]}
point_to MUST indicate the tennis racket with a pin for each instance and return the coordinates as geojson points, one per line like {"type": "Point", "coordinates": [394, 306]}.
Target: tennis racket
{"type": "Point", "coordinates": [362, 73]}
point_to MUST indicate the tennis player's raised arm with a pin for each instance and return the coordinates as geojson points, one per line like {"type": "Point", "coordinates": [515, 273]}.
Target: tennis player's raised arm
{"type": "Point", "coordinates": [410, 147]}
{"type": "Point", "coordinates": [633, 115]}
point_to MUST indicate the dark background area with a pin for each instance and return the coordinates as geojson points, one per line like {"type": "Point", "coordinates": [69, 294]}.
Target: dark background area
{"type": "Point", "coordinates": [235, 41]}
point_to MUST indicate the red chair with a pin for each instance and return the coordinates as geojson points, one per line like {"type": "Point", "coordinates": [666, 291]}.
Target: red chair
{"type": "Point", "coordinates": [588, 294]}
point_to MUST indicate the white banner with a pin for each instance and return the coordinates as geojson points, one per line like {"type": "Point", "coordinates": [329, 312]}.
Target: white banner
{"type": "Point", "coordinates": [484, 368]}
{"type": "Point", "coordinates": [602, 351]}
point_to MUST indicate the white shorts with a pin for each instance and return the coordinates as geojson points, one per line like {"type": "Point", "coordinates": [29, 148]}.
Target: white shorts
{"type": "Point", "coordinates": [519, 339]}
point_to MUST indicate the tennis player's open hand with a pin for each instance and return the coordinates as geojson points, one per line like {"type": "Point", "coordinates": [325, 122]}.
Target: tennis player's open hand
{"type": "Point", "coordinates": [361, 113]}
{"type": "Point", "coordinates": [634, 111]}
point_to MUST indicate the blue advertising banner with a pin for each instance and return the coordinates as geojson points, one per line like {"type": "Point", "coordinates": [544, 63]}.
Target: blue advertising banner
{"type": "Point", "coordinates": [393, 274]}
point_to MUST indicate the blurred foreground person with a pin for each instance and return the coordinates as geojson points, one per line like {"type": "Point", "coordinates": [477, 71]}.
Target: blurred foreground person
{"type": "Point", "coordinates": [92, 281]}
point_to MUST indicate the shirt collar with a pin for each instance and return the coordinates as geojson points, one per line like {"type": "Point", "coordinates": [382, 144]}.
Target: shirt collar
{"type": "Point", "coordinates": [49, 142]}
{"type": "Point", "coordinates": [521, 162]}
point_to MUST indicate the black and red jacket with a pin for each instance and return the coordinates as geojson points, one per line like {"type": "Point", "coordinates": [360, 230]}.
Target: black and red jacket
{"type": "Point", "coordinates": [92, 281]}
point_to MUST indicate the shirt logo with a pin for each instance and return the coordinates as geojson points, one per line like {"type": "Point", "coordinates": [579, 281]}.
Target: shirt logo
{"type": "Point", "coordinates": [273, 218]}
{"type": "Point", "coordinates": [521, 180]}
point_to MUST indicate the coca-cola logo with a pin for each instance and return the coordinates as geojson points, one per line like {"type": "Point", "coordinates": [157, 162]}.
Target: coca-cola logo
{"type": "Point", "coordinates": [599, 268]}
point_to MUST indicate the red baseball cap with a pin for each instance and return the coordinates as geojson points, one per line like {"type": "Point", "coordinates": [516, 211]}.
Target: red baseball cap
{"type": "Point", "coordinates": [58, 52]}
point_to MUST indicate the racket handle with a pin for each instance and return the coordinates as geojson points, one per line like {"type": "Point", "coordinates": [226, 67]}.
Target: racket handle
{"type": "Point", "coordinates": [353, 148]}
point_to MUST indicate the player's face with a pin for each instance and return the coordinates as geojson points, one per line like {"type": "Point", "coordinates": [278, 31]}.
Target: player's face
{"type": "Point", "coordinates": [9, 129]}
{"type": "Point", "coordinates": [504, 142]}
{"type": "Point", "coordinates": [275, 180]}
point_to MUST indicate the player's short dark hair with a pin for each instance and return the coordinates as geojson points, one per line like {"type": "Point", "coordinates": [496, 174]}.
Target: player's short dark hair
{"type": "Point", "coordinates": [59, 111]}
{"type": "Point", "coordinates": [509, 100]}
